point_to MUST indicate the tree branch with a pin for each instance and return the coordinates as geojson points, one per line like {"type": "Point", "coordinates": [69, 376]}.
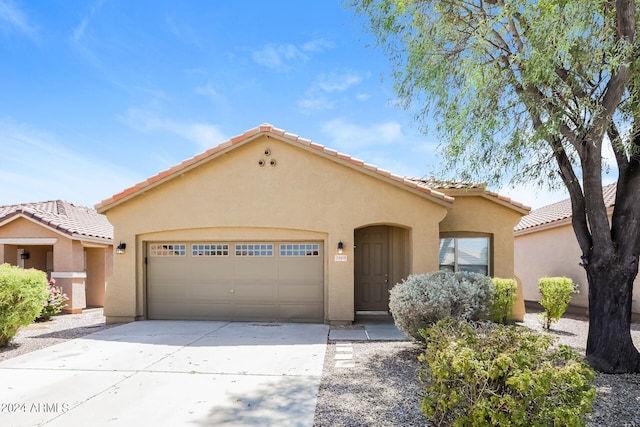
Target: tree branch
{"type": "Point", "coordinates": [578, 206]}
{"type": "Point", "coordinates": [618, 148]}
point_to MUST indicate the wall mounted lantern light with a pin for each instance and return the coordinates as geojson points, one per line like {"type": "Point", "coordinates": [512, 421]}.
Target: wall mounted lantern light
{"type": "Point", "coordinates": [121, 248]}
{"type": "Point", "coordinates": [24, 255]}
{"type": "Point", "coordinates": [340, 247]}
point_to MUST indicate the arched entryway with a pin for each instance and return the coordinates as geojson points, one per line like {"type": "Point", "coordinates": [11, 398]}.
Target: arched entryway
{"type": "Point", "coordinates": [382, 259]}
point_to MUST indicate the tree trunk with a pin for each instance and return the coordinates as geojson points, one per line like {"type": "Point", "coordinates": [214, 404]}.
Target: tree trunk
{"type": "Point", "coordinates": [610, 348]}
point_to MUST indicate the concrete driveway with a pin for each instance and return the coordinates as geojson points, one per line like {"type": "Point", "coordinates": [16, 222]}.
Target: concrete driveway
{"type": "Point", "coordinates": [170, 373]}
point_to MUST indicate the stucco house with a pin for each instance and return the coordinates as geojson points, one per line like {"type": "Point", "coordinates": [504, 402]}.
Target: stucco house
{"type": "Point", "coordinates": [545, 245]}
{"type": "Point", "coordinates": [269, 226]}
{"type": "Point", "coordinates": [72, 244]}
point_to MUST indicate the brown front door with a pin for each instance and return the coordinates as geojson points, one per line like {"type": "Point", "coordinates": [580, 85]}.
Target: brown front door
{"type": "Point", "coordinates": [372, 268]}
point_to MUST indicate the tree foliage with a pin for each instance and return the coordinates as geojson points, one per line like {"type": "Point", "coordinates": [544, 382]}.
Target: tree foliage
{"type": "Point", "coordinates": [535, 90]}
{"type": "Point", "coordinates": [509, 83]}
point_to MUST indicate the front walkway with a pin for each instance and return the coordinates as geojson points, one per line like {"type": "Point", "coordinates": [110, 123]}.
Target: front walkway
{"type": "Point", "coordinates": [368, 328]}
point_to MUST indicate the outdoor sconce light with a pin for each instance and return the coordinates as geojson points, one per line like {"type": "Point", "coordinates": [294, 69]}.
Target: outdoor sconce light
{"type": "Point", "coordinates": [121, 248]}
{"type": "Point", "coordinates": [340, 247]}
{"type": "Point", "coordinates": [24, 255]}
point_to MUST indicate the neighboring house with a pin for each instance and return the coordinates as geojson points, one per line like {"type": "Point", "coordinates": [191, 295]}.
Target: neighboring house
{"type": "Point", "coordinates": [72, 244]}
{"type": "Point", "coordinates": [269, 226]}
{"type": "Point", "coordinates": [545, 245]}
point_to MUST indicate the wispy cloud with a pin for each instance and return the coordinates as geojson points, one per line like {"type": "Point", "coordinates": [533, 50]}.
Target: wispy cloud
{"type": "Point", "coordinates": [347, 136]}
{"type": "Point", "coordinates": [317, 45]}
{"type": "Point", "coordinates": [337, 82]}
{"type": "Point", "coordinates": [533, 196]}
{"type": "Point", "coordinates": [183, 32]}
{"type": "Point", "coordinates": [280, 57]}
{"type": "Point", "coordinates": [316, 97]}
{"type": "Point", "coordinates": [207, 90]}
{"type": "Point", "coordinates": [13, 18]}
{"type": "Point", "coordinates": [79, 33]}
{"type": "Point", "coordinates": [36, 166]}
{"type": "Point", "coordinates": [378, 143]}
{"type": "Point", "coordinates": [205, 135]}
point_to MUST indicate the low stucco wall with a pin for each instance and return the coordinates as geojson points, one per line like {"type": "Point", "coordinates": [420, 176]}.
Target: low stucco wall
{"type": "Point", "coordinates": [555, 252]}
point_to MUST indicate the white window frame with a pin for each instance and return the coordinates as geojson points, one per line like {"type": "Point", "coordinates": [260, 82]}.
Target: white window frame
{"type": "Point", "coordinates": [456, 264]}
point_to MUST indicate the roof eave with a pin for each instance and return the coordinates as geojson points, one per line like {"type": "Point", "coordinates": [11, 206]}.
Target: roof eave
{"type": "Point", "coordinates": [55, 228]}
{"type": "Point", "coordinates": [490, 195]}
{"type": "Point", "coordinates": [552, 224]}
{"type": "Point", "coordinates": [271, 132]}
{"type": "Point", "coordinates": [93, 241]}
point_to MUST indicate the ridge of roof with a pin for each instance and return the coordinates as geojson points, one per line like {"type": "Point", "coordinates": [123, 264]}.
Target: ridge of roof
{"type": "Point", "coordinates": [558, 211]}
{"type": "Point", "coordinates": [444, 184]}
{"type": "Point", "coordinates": [460, 187]}
{"type": "Point", "coordinates": [266, 128]}
{"type": "Point", "coordinates": [66, 217]}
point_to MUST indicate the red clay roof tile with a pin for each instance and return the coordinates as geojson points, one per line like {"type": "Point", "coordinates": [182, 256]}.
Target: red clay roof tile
{"type": "Point", "coordinates": [559, 211]}
{"type": "Point", "coordinates": [426, 186]}
{"type": "Point", "coordinates": [67, 217]}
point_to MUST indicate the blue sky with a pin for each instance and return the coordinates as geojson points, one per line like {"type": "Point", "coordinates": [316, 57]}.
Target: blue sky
{"type": "Point", "coordinates": [99, 95]}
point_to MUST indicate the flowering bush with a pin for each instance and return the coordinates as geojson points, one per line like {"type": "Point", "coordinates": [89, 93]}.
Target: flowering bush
{"type": "Point", "coordinates": [56, 301]}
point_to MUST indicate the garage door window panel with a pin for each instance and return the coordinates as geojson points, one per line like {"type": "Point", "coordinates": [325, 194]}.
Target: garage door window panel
{"type": "Point", "coordinates": [254, 250]}
{"type": "Point", "coordinates": [210, 249]}
{"type": "Point", "coordinates": [168, 250]}
{"type": "Point", "coordinates": [299, 250]}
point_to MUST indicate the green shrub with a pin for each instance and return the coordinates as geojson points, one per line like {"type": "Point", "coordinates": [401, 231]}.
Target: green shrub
{"type": "Point", "coordinates": [421, 300]}
{"type": "Point", "coordinates": [22, 294]}
{"type": "Point", "coordinates": [556, 295]}
{"type": "Point", "coordinates": [486, 374]}
{"type": "Point", "coordinates": [504, 298]}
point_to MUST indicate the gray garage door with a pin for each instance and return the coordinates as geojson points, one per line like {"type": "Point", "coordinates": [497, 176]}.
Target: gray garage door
{"type": "Point", "coordinates": [243, 281]}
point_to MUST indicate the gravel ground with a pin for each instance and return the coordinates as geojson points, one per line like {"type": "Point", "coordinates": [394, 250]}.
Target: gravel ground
{"type": "Point", "coordinates": [379, 386]}
{"type": "Point", "coordinates": [375, 383]}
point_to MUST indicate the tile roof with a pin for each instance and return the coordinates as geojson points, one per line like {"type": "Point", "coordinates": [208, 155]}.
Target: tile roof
{"type": "Point", "coordinates": [267, 129]}
{"type": "Point", "coordinates": [559, 211]}
{"type": "Point", "coordinates": [68, 218]}
{"type": "Point", "coordinates": [443, 184]}
{"type": "Point", "coordinates": [453, 188]}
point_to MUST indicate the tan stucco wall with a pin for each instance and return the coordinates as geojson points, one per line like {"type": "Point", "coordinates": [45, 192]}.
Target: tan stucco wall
{"type": "Point", "coordinates": [477, 216]}
{"type": "Point", "coordinates": [555, 252]}
{"type": "Point", "coordinates": [21, 227]}
{"type": "Point", "coordinates": [304, 197]}
{"type": "Point", "coordinates": [98, 268]}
